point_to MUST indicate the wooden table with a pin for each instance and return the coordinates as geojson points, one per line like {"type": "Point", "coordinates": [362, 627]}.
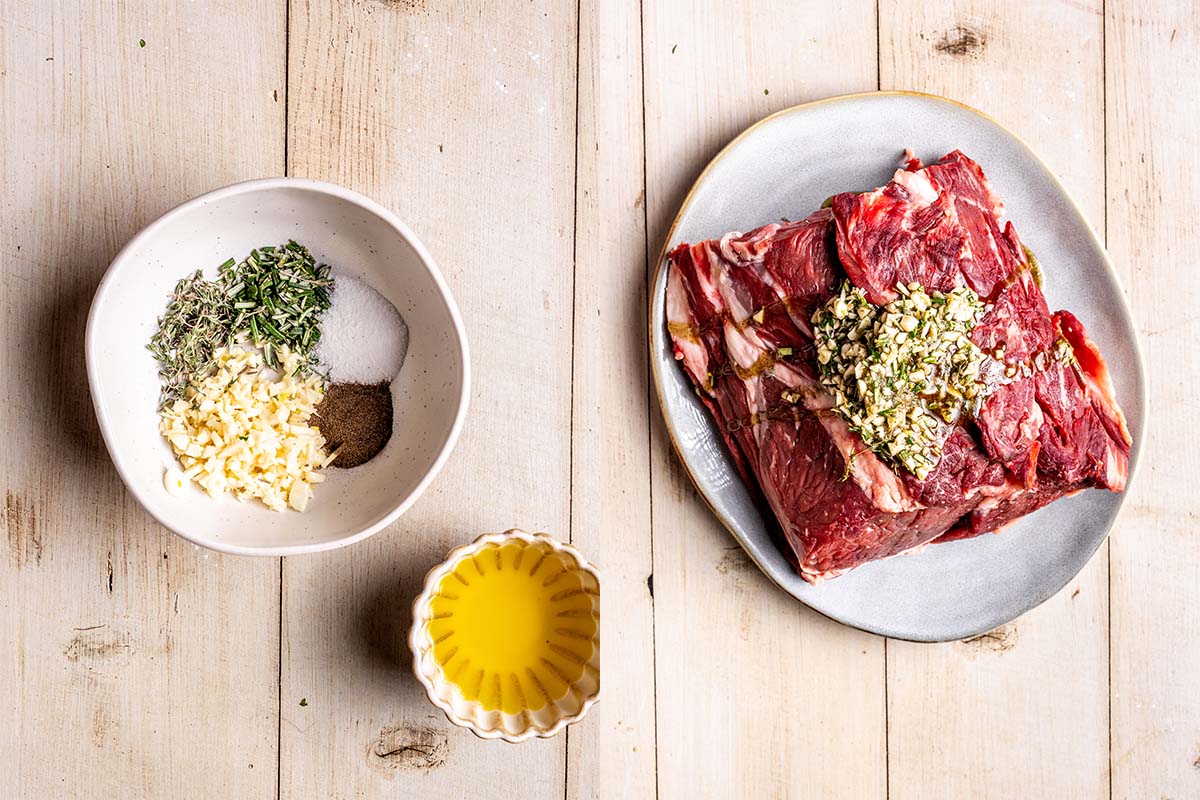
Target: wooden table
{"type": "Point", "coordinates": [540, 150]}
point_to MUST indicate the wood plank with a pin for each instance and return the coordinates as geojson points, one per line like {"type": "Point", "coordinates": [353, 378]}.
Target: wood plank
{"type": "Point", "coordinates": [133, 664]}
{"type": "Point", "coordinates": [612, 753]}
{"type": "Point", "coordinates": [1024, 706]}
{"type": "Point", "coordinates": [462, 120]}
{"type": "Point", "coordinates": [756, 695]}
{"type": "Point", "coordinates": [1152, 58]}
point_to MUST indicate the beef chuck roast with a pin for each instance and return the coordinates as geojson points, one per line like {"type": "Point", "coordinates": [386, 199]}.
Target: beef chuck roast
{"type": "Point", "coordinates": [739, 310]}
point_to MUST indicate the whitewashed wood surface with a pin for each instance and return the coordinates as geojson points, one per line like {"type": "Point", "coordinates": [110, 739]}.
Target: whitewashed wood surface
{"type": "Point", "coordinates": [540, 150]}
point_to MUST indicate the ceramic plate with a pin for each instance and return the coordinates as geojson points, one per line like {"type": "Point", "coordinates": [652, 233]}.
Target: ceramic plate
{"type": "Point", "coordinates": [785, 166]}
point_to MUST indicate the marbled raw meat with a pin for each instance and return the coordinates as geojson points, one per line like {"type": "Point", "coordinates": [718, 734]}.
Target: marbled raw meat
{"type": "Point", "coordinates": [739, 310]}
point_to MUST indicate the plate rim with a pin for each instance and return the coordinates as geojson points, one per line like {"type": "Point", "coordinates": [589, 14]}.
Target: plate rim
{"type": "Point", "coordinates": [655, 303]}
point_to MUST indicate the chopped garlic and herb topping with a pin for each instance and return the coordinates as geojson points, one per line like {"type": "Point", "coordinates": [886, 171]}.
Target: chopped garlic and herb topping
{"type": "Point", "coordinates": [901, 374]}
{"type": "Point", "coordinates": [275, 298]}
{"type": "Point", "coordinates": [241, 430]}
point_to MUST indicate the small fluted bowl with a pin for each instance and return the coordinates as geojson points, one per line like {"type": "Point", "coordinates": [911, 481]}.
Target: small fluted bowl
{"type": "Point", "coordinates": [549, 695]}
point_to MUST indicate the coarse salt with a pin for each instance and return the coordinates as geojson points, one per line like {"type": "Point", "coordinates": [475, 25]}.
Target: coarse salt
{"type": "Point", "coordinates": [363, 337]}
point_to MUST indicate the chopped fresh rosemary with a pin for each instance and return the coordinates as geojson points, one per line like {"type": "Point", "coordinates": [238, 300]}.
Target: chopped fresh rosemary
{"type": "Point", "coordinates": [278, 295]}
{"type": "Point", "coordinates": [197, 320]}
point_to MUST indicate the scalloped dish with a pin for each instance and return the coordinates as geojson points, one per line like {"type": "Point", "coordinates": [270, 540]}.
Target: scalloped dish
{"type": "Point", "coordinates": [506, 636]}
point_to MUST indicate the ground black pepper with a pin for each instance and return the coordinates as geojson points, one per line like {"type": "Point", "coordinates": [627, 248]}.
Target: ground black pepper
{"type": "Point", "coordinates": [356, 421]}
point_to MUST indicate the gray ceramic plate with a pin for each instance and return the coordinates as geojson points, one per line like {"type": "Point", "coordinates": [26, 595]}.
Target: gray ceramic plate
{"type": "Point", "coordinates": [785, 166]}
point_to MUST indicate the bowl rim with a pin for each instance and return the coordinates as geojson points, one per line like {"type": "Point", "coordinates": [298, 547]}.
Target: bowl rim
{"type": "Point", "coordinates": [420, 643]}
{"type": "Point", "coordinates": [427, 262]}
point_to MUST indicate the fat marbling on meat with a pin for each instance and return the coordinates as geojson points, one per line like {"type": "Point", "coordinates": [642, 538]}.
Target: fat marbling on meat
{"type": "Point", "coordinates": [739, 310]}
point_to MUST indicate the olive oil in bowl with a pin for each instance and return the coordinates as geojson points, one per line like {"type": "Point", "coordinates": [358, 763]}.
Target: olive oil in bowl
{"type": "Point", "coordinates": [507, 635]}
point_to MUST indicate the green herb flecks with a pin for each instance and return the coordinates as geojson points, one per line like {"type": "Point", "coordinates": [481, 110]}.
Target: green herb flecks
{"type": "Point", "coordinates": [197, 320]}
{"type": "Point", "coordinates": [849, 466]}
{"type": "Point", "coordinates": [278, 295]}
{"type": "Point", "coordinates": [901, 374]}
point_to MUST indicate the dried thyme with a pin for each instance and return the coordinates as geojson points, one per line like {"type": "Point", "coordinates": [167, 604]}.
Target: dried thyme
{"type": "Point", "coordinates": [198, 319]}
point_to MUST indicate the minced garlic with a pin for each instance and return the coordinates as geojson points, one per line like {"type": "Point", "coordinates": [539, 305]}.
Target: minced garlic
{"type": "Point", "coordinates": [242, 432]}
{"type": "Point", "coordinates": [903, 373]}
{"type": "Point", "coordinates": [174, 481]}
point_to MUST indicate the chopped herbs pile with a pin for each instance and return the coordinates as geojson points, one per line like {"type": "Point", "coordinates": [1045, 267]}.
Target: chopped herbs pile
{"type": "Point", "coordinates": [197, 321]}
{"type": "Point", "coordinates": [278, 296]}
{"type": "Point", "coordinates": [273, 299]}
{"type": "Point", "coordinates": [901, 374]}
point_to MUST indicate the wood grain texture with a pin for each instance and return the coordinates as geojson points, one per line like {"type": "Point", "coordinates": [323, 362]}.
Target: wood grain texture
{"type": "Point", "coordinates": [1153, 56]}
{"type": "Point", "coordinates": [757, 696]}
{"type": "Point", "coordinates": [121, 646]}
{"type": "Point", "coordinates": [612, 754]}
{"type": "Point", "coordinates": [1024, 708]}
{"type": "Point", "coordinates": [462, 120]}
{"type": "Point", "coordinates": [541, 158]}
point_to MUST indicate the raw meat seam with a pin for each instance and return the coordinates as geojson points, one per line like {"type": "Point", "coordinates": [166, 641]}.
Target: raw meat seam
{"type": "Point", "coordinates": [718, 320]}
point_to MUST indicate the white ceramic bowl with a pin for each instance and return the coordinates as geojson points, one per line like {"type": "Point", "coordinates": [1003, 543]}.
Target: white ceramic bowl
{"type": "Point", "coordinates": [357, 237]}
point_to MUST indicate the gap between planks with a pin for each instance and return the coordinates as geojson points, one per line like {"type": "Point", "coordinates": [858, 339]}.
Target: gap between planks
{"type": "Point", "coordinates": [1104, 223]}
{"type": "Point", "coordinates": [287, 79]}
{"type": "Point", "coordinates": [647, 279]}
{"type": "Point", "coordinates": [571, 393]}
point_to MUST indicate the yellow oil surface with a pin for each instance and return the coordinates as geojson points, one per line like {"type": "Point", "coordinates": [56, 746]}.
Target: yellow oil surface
{"type": "Point", "coordinates": [514, 626]}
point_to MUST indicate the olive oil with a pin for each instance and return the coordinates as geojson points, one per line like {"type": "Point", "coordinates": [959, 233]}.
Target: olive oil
{"type": "Point", "coordinates": [514, 626]}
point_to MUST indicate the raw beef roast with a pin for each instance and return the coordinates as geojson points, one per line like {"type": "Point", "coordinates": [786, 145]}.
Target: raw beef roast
{"type": "Point", "coordinates": [740, 312]}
